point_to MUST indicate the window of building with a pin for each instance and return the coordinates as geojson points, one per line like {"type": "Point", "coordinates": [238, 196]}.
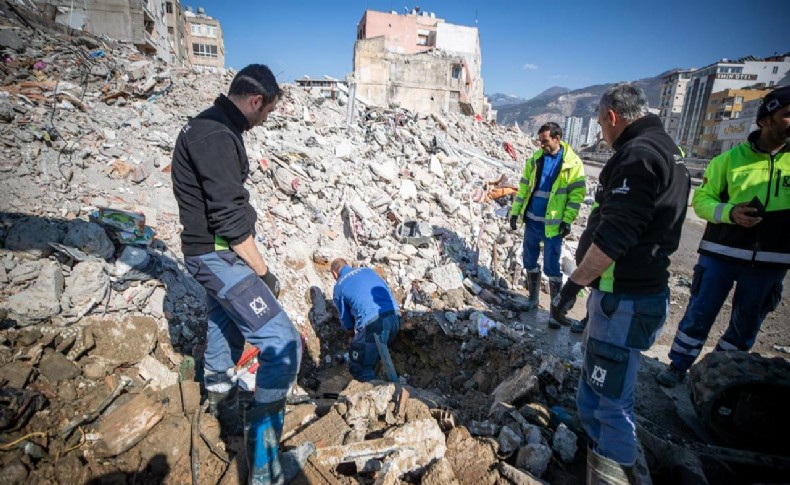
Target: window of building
{"type": "Point", "coordinates": [170, 30]}
{"type": "Point", "coordinates": [211, 31]}
{"type": "Point", "coordinates": [204, 50]}
{"type": "Point", "coordinates": [456, 74]}
{"type": "Point", "coordinates": [422, 40]}
{"type": "Point", "coordinates": [735, 115]}
{"type": "Point", "coordinates": [738, 99]}
{"type": "Point", "coordinates": [770, 83]}
{"type": "Point", "coordinates": [196, 29]}
{"type": "Point", "coordinates": [169, 7]}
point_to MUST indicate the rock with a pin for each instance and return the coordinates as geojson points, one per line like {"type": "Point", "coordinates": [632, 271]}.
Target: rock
{"type": "Point", "coordinates": [386, 171]}
{"type": "Point", "coordinates": [14, 472]}
{"type": "Point", "coordinates": [564, 443]}
{"type": "Point", "coordinates": [360, 207]}
{"type": "Point", "coordinates": [408, 190]}
{"type": "Point", "coordinates": [449, 203]}
{"type": "Point", "coordinates": [7, 114]}
{"type": "Point", "coordinates": [125, 425]}
{"type": "Point", "coordinates": [471, 459]}
{"type": "Point", "coordinates": [10, 40]}
{"type": "Point", "coordinates": [95, 370]}
{"type": "Point", "coordinates": [552, 369]}
{"type": "Point", "coordinates": [29, 270]}
{"type": "Point", "coordinates": [439, 472]}
{"type": "Point", "coordinates": [532, 434]}
{"type": "Point", "coordinates": [126, 341]}
{"type": "Point", "coordinates": [89, 238]}
{"type": "Point", "coordinates": [86, 286]}
{"type": "Point", "coordinates": [41, 301]}
{"type": "Point", "coordinates": [56, 367]}
{"type": "Point", "coordinates": [515, 476]}
{"type": "Point", "coordinates": [534, 458]}
{"type": "Point", "coordinates": [485, 276]}
{"type": "Point", "coordinates": [156, 373]}
{"type": "Point", "coordinates": [156, 303]}
{"type": "Point", "coordinates": [447, 277]}
{"type": "Point", "coordinates": [32, 236]}
{"type": "Point", "coordinates": [16, 374]}
{"type": "Point", "coordinates": [509, 440]}
{"type": "Point", "coordinates": [131, 258]}
{"type": "Point", "coordinates": [436, 166]}
{"type": "Point", "coordinates": [343, 150]}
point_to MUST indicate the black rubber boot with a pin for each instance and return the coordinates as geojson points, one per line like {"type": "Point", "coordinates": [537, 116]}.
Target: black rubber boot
{"type": "Point", "coordinates": [555, 285]}
{"type": "Point", "coordinates": [533, 283]}
{"type": "Point", "coordinates": [225, 407]}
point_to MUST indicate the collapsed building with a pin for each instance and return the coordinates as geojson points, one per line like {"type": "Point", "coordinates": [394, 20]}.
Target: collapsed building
{"type": "Point", "coordinates": [419, 62]}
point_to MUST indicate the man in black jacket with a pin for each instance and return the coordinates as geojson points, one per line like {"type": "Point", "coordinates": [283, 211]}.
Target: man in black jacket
{"type": "Point", "coordinates": [218, 241]}
{"type": "Point", "coordinates": [633, 228]}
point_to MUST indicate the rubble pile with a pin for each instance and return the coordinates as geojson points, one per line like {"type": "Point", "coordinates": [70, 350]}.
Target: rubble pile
{"type": "Point", "coordinates": [102, 330]}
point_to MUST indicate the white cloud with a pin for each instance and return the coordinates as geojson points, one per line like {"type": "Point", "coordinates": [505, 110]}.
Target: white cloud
{"type": "Point", "coordinates": [530, 67]}
{"type": "Point", "coordinates": [559, 76]}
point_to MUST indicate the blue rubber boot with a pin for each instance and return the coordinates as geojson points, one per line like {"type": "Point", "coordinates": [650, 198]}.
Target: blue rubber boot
{"type": "Point", "coordinates": [262, 431]}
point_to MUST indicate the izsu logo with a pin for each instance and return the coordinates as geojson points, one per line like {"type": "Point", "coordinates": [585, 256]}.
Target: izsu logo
{"type": "Point", "coordinates": [622, 190]}
{"type": "Point", "coordinates": [259, 306]}
{"type": "Point", "coordinates": [598, 376]}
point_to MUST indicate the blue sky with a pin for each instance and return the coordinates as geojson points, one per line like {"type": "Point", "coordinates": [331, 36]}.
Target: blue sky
{"type": "Point", "coordinates": [527, 46]}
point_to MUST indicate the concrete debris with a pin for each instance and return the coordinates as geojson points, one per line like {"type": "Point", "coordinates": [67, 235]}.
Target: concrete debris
{"type": "Point", "coordinates": [517, 477]}
{"type": "Point", "coordinates": [534, 458]}
{"type": "Point", "coordinates": [89, 238]}
{"type": "Point", "coordinates": [564, 443]}
{"type": "Point", "coordinates": [40, 301]}
{"type": "Point", "coordinates": [94, 127]}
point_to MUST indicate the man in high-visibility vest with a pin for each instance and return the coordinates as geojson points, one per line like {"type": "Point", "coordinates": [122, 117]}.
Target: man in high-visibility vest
{"type": "Point", "coordinates": [549, 196]}
{"type": "Point", "coordinates": [745, 197]}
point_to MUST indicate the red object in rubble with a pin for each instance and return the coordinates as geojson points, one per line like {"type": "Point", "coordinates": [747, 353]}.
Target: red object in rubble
{"type": "Point", "coordinates": [511, 151]}
{"type": "Point", "coordinates": [264, 164]}
{"type": "Point", "coordinates": [478, 117]}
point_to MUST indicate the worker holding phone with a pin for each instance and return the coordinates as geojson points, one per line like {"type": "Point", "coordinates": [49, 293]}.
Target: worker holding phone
{"type": "Point", "coordinates": [745, 197]}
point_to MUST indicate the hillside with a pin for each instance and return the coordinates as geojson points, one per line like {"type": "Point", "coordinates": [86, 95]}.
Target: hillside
{"type": "Point", "coordinates": [556, 105]}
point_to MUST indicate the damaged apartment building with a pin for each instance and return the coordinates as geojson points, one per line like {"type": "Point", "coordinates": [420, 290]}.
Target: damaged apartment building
{"type": "Point", "coordinates": [419, 62]}
{"type": "Point", "coordinates": [158, 28]}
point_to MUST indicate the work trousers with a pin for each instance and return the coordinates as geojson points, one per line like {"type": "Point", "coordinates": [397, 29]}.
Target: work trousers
{"type": "Point", "coordinates": [241, 307]}
{"type": "Point", "coordinates": [758, 290]}
{"type": "Point", "coordinates": [364, 354]}
{"type": "Point", "coordinates": [534, 234]}
{"type": "Point", "coordinates": [619, 328]}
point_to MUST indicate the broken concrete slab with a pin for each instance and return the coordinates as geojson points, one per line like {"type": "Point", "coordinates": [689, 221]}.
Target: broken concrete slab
{"type": "Point", "coordinates": [32, 236]}
{"type": "Point", "coordinates": [330, 430]}
{"type": "Point", "coordinates": [124, 341]}
{"type": "Point", "coordinates": [156, 374]}
{"type": "Point", "coordinates": [521, 385]}
{"type": "Point", "coordinates": [552, 369]}
{"type": "Point", "coordinates": [89, 238]}
{"type": "Point", "coordinates": [514, 476]}
{"type": "Point", "coordinates": [10, 40]}
{"type": "Point", "coordinates": [564, 443]}
{"type": "Point", "coordinates": [124, 426]}
{"type": "Point", "coordinates": [86, 287]}
{"type": "Point", "coordinates": [16, 374]}
{"type": "Point", "coordinates": [447, 277]}
{"type": "Point", "coordinates": [40, 301]}
{"type": "Point", "coordinates": [56, 367]}
{"type": "Point", "coordinates": [297, 417]}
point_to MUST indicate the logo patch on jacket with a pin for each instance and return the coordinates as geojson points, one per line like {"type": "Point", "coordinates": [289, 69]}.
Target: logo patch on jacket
{"type": "Point", "coordinates": [623, 189]}
{"type": "Point", "coordinates": [786, 182]}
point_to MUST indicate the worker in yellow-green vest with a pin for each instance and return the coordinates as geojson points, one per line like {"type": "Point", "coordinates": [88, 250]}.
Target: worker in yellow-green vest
{"type": "Point", "coordinates": [549, 196]}
{"type": "Point", "coordinates": [745, 197]}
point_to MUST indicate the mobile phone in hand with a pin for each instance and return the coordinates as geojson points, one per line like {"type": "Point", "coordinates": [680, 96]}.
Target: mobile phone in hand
{"type": "Point", "coordinates": [756, 204]}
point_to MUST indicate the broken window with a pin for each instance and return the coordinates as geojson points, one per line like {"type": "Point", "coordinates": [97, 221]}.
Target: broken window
{"type": "Point", "coordinates": [204, 50]}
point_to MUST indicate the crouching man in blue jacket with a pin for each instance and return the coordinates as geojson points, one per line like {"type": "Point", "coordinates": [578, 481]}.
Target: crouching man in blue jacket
{"type": "Point", "coordinates": [366, 305]}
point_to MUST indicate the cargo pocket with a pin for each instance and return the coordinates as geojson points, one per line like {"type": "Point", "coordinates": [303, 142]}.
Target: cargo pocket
{"type": "Point", "coordinates": [356, 353]}
{"type": "Point", "coordinates": [253, 301]}
{"type": "Point", "coordinates": [605, 367]}
{"type": "Point", "coordinates": [649, 316]}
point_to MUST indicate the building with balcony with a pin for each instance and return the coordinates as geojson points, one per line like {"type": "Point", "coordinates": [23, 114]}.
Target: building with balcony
{"type": "Point", "coordinates": [420, 62]}
{"type": "Point", "coordinates": [176, 31]}
{"type": "Point", "coordinates": [719, 76]}
{"type": "Point", "coordinates": [673, 95]}
{"type": "Point", "coordinates": [726, 106]}
{"type": "Point", "coordinates": [572, 132]}
{"type": "Point", "coordinates": [328, 87]}
{"type": "Point", "coordinates": [205, 47]}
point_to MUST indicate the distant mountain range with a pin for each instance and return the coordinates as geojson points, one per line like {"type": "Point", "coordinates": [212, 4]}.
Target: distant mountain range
{"type": "Point", "coordinates": [556, 103]}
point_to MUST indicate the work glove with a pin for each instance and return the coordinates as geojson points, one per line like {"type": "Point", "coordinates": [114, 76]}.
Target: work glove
{"type": "Point", "coordinates": [565, 229]}
{"type": "Point", "coordinates": [272, 282]}
{"type": "Point", "coordinates": [562, 303]}
{"type": "Point", "coordinates": [513, 222]}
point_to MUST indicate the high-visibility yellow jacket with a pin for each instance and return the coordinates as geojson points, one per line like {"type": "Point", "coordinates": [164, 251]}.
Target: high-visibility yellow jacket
{"type": "Point", "coordinates": [739, 176]}
{"type": "Point", "coordinates": [567, 192]}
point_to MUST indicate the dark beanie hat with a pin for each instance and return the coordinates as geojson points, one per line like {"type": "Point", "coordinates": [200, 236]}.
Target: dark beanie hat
{"type": "Point", "coordinates": [774, 101]}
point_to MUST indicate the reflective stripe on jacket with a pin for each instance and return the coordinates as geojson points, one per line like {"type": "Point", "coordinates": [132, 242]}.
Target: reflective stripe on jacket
{"type": "Point", "coordinates": [567, 192]}
{"type": "Point", "coordinates": [738, 176]}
